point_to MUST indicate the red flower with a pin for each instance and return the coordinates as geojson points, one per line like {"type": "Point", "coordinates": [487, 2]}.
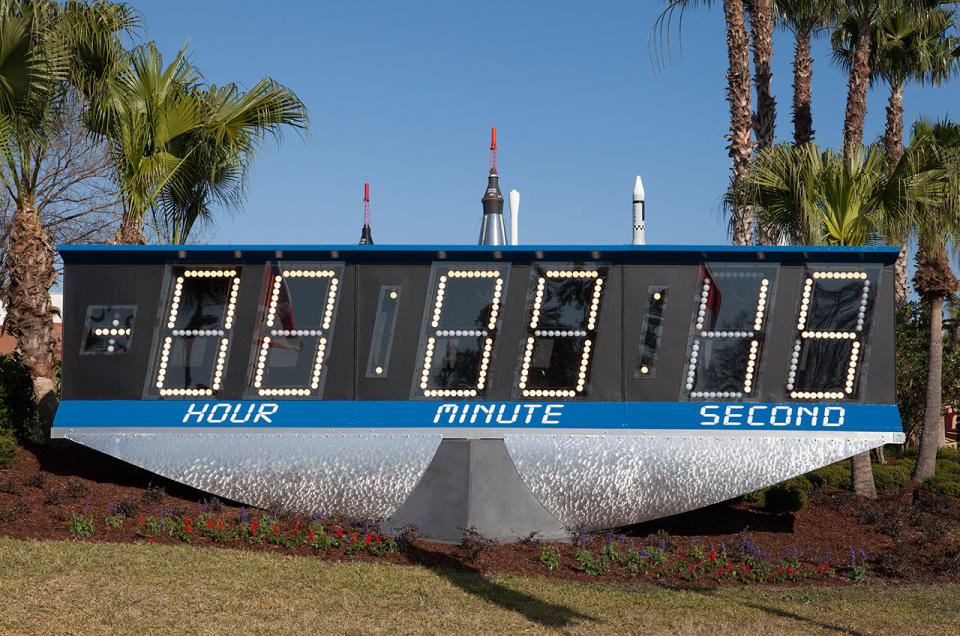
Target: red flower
{"type": "Point", "coordinates": [740, 564]}
{"type": "Point", "coordinates": [779, 570]}
{"type": "Point", "coordinates": [368, 540]}
{"type": "Point", "coordinates": [187, 529]}
{"type": "Point", "coordinates": [142, 521]}
{"type": "Point", "coordinates": [310, 538]}
{"type": "Point", "coordinates": [377, 537]}
{"type": "Point", "coordinates": [339, 533]}
{"type": "Point", "coordinates": [220, 525]}
{"type": "Point", "coordinates": [210, 523]}
{"type": "Point", "coordinates": [729, 566]}
{"type": "Point", "coordinates": [187, 521]}
{"type": "Point", "coordinates": [748, 569]}
{"type": "Point", "coordinates": [152, 541]}
{"type": "Point", "coordinates": [713, 555]}
{"type": "Point", "coordinates": [789, 571]}
{"type": "Point", "coordinates": [692, 568]}
{"type": "Point", "coordinates": [296, 526]}
{"type": "Point", "coordinates": [276, 530]}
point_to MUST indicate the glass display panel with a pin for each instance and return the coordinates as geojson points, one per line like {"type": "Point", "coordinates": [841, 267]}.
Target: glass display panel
{"type": "Point", "coordinates": [378, 363]}
{"type": "Point", "coordinates": [195, 333]}
{"type": "Point", "coordinates": [652, 330]}
{"type": "Point", "coordinates": [108, 329]}
{"type": "Point", "coordinates": [563, 307]}
{"type": "Point", "coordinates": [462, 320]}
{"type": "Point", "coordinates": [833, 322]}
{"type": "Point", "coordinates": [728, 331]}
{"type": "Point", "coordinates": [295, 331]}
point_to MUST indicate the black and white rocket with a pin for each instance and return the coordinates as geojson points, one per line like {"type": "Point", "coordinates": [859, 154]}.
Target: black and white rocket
{"type": "Point", "coordinates": [492, 231]}
{"type": "Point", "coordinates": [639, 213]}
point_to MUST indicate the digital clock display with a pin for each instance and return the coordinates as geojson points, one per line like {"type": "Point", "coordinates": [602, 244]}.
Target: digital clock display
{"type": "Point", "coordinates": [479, 324]}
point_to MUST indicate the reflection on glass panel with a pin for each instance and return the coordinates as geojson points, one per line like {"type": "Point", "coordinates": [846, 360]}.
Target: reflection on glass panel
{"type": "Point", "coordinates": [108, 329]}
{"type": "Point", "coordinates": [196, 331]}
{"type": "Point", "coordinates": [462, 321]}
{"type": "Point", "coordinates": [833, 323]}
{"type": "Point", "coordinates": [564, 306]}
{"type": "Point", "coordinates": [378, 363]}
{"type": "Point", "coordinates": [652, 330]}
{"type": "Point", "coordinates": [296, 328]}
{"type": "Point", "coordinates": [728, 331]}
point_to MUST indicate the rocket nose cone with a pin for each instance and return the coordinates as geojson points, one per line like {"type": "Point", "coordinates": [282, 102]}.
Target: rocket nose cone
{"type": "Point", "coordinates": [638, 193]}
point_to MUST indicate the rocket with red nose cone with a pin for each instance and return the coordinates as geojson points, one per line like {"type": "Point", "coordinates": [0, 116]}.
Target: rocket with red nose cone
{"type": "Point", "coordinates": [492, 231]}
{"type": "Point", "coordinates": [366, 235]}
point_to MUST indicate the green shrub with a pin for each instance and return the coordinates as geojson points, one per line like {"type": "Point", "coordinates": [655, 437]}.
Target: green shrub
{"type": "Point", "coordinates": [949, 454]}
{"type": "Point", "coordinates": [756, 497]}
{"type": "Point", "coordinates": [18, 411]}
{"type": "Point", "coordinates": [944, 485]}
{"type": "Point", "coordinates": [948, 468]}
{"type": "Point", "coordinates": [833, 475]}
{"type": "Point", "coordinates": [8, 448]}
{"type": "Point", "coordinates": [890, 476]}
{"type": "Point", "coordinates": [907, 464]}
{"type": "Point", "coordinates": [785, 497]}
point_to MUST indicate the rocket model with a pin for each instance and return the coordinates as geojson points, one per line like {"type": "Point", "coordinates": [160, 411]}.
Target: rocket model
{"type": "Point", "coordinates": [514, 217]}
{"type": "Point", "coordinates": [492, 231]}
{"type": "Point", "coordinates": [366, 236]}
{"type": "Point", "coordinates": [639, 213]}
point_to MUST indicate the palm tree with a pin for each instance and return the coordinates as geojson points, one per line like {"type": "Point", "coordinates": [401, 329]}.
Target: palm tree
{"type": "Point", "coordinates": [234, 125]}
{"type": "Point", "coordinates": [42, 56]}
{"type": "Point", "coordinates": [804, 18]}
{"type": "Point", "coordinates": [935, 149]}
{"type": "Point", "coordinates": [811, 197]}
{"type": "Point", "coordinates": [907, 43]}
{"type": "Point", "coordinates": [741, 145]}
{"type": "Point", "coordinates": [179, 147]}
{"type": "Point", "coordinates": [145, 113]}
{"type": "Point", "coordinates": [761, 32]}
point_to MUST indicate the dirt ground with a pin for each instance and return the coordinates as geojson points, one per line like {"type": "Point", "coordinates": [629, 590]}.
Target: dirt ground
{"type": "Point", "coordinates": [907, 535]}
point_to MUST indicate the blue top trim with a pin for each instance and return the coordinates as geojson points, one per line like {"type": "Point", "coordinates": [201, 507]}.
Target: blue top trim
{"type": "Point", "coordinates": [394, 253]}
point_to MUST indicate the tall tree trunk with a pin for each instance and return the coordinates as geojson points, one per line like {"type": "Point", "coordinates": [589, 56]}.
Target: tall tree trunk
{"type": "Point", "coordinates": [29, 276]}
{"type": "Point", "coordinates": [740, 147]}
{"type": "Point", "coordinates": [861, 472]}
{"type": "Point", "coordinates": [901, 281]}
{"type": "Point", "coordinates": [859, 80]}
{"type": "Point", "coordinates": [932, 421]}
{"type": "Point", "coordinates": [802, 95]}
{"type": "Point", "coordinates": [130, 232]}
{"type": "Point", "coordinates": [893, 134]}
{"type": "Point", "coordinates": [761, 31]}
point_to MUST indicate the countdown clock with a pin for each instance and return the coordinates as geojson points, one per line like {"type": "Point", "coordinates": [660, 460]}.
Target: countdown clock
{"type": "Point", "coordinates": [669, 377]}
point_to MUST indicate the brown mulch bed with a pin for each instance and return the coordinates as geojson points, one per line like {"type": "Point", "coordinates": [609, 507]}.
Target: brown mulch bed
{"type": "Point", "coordinates": [908, 535]}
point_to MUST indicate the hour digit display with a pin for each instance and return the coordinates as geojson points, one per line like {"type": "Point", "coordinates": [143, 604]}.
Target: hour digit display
{"type": "Point", "coordinates": [109, 329]}
{"type": "Point", "coordinates": [652, 329]}
{"type": "Point", "coordinates": [561, 332]}
{"type": "Point", "coordinates": [462, 316]}
{"type": "Point", "coordinates": [296, 329]}
{"type": "Point", "coordinates": [195, 335]}
{"type": "Point", "coordinates": [728, 331]}
{"type": "Point", "coordinates": [832, 325]}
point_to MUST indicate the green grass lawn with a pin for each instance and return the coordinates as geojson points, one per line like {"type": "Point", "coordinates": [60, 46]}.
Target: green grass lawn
{"type": "Point", "coordinates": [84, 587]}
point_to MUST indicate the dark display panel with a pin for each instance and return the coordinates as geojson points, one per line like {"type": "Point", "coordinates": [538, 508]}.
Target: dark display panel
{"type": "Point", "coordinates": [298, 304]}
{"type": "Point", "coordinates": [483, 330]}
{"type": "Point", "coordinates": [836, 311]}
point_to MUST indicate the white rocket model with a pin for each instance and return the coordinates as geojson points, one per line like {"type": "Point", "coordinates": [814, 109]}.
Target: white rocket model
{"type": "Point", "coordinates": [514, 211]}
{"type": "Point", "coordinates": [639, 214]}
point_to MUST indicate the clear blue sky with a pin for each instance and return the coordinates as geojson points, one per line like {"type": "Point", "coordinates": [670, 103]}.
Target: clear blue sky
{"type": "Point", "coordinates": [403, 95]}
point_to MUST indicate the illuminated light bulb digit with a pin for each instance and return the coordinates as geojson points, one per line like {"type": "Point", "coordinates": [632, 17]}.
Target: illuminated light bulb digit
{"type": "Point", "coordinates": [710, 290]}
{"type": "Point", "coordinates": [212, 280]}
{"type": "Point", "coordinates": [838, 338]}
{"type": "Point", "coordinates": [446, 283]}
{"type": "Point", "coordinates": [321, 283]}
{"type": "Point", "coordinates": [591, 314]}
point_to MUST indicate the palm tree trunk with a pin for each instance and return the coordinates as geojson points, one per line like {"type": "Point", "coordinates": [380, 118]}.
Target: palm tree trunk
{"type": "Point", "coordinates": [893, 134]}
{"type": "Point", "coordinates": [761, 30]}
{"type": "Point", "coordinates": [859, 80]}
{"type": "Point", "coordinates": [130, 232]}
{"type": "Point", "coordinates": [802, 95]}
{"type": "Point", "coordinates": [861, 473]}
{"type": "Point", "coordinates": [740, 147]}
{"type": "Point", "coordinates": [901, 281]}
{"type": "Point", "coordinates": [932, 421]}
{"type": "Point", "coordinates": [29, 276]}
